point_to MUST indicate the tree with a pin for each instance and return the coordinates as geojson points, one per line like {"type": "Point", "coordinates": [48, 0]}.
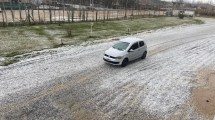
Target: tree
{"type": "Point", "coordinates": [37, 2]}
{"type": "Point", "coordinates": [181, 15]}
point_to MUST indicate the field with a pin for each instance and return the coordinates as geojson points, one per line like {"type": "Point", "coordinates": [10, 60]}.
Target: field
{"type": "Point", "coordinates": [23, 39]}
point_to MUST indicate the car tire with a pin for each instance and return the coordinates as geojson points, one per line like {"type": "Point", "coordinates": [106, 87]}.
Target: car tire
{"type": "Point", "coordinates": [144, 55]}
{"type": "Point", "coordinates": [124, 62]}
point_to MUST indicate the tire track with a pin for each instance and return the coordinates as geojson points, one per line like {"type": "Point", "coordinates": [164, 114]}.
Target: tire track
{"type": "Point", "coordinates": [184, 67]}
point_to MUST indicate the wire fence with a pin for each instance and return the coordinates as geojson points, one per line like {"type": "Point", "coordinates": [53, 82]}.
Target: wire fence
{"type": "Point", "coordinates": [26, 13]}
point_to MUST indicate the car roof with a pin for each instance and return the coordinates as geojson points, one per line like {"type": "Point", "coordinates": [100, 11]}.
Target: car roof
{"type": "Point", "coordinates": [131, 39]}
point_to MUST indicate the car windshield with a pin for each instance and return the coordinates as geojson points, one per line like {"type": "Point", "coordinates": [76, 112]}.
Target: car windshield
{"type": "Point", "coordinates": [121, 46]}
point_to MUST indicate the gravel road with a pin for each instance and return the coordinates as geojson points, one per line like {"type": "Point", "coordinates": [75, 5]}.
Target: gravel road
{"type": "Point", "coordinates": [75, 84]}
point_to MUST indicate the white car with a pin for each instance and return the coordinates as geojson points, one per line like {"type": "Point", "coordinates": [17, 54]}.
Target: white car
{"type": "Point", "coordinates": [126, 50]}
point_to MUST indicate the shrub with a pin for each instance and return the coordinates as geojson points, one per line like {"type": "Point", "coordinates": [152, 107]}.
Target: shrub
{"type": "Point", "coordinates": [69, 32]}
{"type": "Point", "coordinates": [181, 15]}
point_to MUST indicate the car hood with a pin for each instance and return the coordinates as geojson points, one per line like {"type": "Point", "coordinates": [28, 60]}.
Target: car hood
{"type": "Point", "coordinates": [114, 52]}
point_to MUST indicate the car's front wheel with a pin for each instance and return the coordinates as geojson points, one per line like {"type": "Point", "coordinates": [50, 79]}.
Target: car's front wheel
{"type": "Point", "coordinates": [144, 55]}
{"type": "Point", "coordinates": [124, 62]}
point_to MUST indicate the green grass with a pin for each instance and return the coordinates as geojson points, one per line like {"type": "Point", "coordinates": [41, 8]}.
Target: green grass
{"type": "Point", "coordinates": [197, 21]}
{"type": "Point", "coordinates": [40, 30]}
{"type": "Point", "coordinates": [12, 54]}
{"type": "Point", "coordinates": [81, 31]}
{"type": "Point", "coordinates": [9, 61]}
{"type": "Point", "coordinates": [22, 39]}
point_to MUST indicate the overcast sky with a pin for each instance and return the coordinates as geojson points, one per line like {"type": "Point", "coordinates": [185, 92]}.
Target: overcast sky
{"type": "Point", "coordinates": [205, 1]}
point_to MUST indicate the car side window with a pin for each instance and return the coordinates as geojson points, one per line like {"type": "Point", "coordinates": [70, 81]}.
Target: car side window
{"type": "Point", "coordinates": [141, 43]}
{"type": "Point", "coordinates": [134, 46]}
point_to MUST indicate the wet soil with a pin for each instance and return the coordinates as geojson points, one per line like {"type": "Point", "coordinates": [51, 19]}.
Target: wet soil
{"type": "Point", "coordinates": [204, 96]}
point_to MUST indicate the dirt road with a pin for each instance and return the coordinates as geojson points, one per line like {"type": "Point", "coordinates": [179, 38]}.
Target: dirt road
{"type": "Point", "coordinates": [75, 83]}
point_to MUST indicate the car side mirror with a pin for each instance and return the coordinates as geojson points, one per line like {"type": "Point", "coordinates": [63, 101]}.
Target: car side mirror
{"type": "Point", "coordinates": [131, 50]}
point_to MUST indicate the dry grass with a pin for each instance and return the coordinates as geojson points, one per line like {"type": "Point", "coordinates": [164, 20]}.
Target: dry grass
{"type": "Point", "coordinates": [23, 39]}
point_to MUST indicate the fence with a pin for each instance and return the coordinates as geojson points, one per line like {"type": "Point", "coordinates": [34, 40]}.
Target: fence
{"type": "Point", "coordinates": [206, 12]}
{"type": "Point", "coordinates": [24, 14]}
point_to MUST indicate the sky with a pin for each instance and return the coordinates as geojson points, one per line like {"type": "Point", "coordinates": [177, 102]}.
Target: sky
{"type": "Point", "coordinates": [204, 1]}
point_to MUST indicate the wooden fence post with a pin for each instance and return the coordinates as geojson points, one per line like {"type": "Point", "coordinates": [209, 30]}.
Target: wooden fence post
{"type": "Point", "coordinates": [20, 14]}
{"type": "Point", "coordinates": [5, 14]}
{"type": "Point", "coordinates": [50, 14]}
{"type": "Point", "coordinates": [12, 12]}
{"type": "Point", "coordinates": [3, 24]}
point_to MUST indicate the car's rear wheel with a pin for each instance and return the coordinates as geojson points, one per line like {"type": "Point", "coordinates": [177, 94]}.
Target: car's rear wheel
{"type": "Point", "coordinates": [124, 62]}
{"type": "Point", "coordinates": [144, 55]}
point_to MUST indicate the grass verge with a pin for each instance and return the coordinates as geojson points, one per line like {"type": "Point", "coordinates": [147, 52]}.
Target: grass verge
{"type": "Point", "coordinates": [22, 39]}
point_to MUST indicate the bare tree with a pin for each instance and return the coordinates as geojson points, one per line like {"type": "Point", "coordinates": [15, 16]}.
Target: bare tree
{"type": "Point", "coordinates": [37, 3]}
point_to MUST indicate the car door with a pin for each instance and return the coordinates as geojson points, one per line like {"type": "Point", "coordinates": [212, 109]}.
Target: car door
{"type": "Point", "coordinates": [142, 48]}
{"type": "Point", "coordinates": [133, 51]}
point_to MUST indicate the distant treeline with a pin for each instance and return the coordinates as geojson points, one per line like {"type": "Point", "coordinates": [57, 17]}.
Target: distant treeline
{"type": "Point", "coordinates": [15, 6]}
{"type": "Point", "coordinates": [112, 3]}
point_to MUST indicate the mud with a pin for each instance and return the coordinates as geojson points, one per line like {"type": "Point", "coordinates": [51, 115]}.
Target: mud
{"type": "Point", "coordinates": [203, 97]}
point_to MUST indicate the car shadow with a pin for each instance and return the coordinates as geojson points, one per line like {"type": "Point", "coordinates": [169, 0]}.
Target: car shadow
{"type": "Point", "coordinates": [120, 67]}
